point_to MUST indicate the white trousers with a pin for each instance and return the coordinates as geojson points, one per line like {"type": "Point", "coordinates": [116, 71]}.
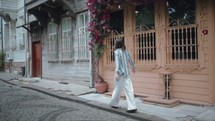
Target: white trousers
{"type": "Point", "coordinates": [124, 81]}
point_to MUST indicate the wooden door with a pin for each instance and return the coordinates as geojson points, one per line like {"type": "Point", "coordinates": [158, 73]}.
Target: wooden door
{"type": "Point", "coordinates": [36, 59]}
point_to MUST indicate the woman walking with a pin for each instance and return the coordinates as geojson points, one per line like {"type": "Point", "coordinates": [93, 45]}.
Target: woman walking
{"type": "Point", "coordinates": [122, 77]}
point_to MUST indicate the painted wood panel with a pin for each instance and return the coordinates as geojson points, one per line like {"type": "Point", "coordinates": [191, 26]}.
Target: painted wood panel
{"type": "Point", "coordinates": [190, 83]}
{"type": "Point", "coordinates": [191, 77]}
{"type": "Point", "coordinates": [190, 86]}
{"type": "Point", "coordinates": [190, 90]}
{"type": "Point", "coordinates": [211, 46]}
{"type": "Point", "coordinates": [9, 4]}
{"type": "Point", "coordinates": [20, 4]}
{"type": "Point", "coordinates": [194, 97]}
{"type": "Point", "coordinates": [19, 56]}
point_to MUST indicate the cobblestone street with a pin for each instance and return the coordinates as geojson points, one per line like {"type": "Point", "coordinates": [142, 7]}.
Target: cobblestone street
{"type": "Point", "coordinates": [19, 104]}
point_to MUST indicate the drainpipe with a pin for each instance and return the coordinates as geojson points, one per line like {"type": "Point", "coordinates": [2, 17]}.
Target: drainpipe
{"type": "Point", "coordinates": [91, 62]}
{"type": "Point", "coordinates": [26, 44]}
{"type": "Point", "coordinates": [2, 35]}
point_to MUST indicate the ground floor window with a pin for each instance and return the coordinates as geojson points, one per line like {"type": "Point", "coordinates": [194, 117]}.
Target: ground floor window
{"type": "Point", "coordinates": [182, 39]}
{"type": "Point", "coordinates": [52, 42]}
{"type": "Point", "coordinates": [82, 38]}
{"type": "Point", "coordinates": [145, 35]}
{"type": "Point", "coordinates": [67, 41]}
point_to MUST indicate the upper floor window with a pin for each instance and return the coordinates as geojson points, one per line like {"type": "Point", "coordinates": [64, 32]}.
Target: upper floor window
{"type": "Point", "coordinates": [53, 44]}
{"type": "Point", "coordinates": [82, 38]}
{"type": "Point", "coordinates": [67, 43]}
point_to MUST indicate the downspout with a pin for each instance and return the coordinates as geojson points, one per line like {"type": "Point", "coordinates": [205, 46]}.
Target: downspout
{"type": "Point", "coordinates": [26, 43]}
{"type": "Point", "coordinates": [91, 62]}
{"type": "Point", "coordinates": [2, 42]}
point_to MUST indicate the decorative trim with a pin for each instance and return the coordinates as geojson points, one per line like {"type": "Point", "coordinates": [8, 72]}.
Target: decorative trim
{"type": "Point", "coordinates": [82, 60]}
{"type": "Point", "coordinates": [182, 68]}
{"type": "Point", "coordinates": [146, 68]}
{"type": "Point", "coordinates": [53, 61]}
{"type": "Point", "coordinates": [67, 60]}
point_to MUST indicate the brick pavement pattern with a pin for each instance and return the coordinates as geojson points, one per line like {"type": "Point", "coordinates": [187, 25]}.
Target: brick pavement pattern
{"type": "Point", "coordinates": [21, 104]}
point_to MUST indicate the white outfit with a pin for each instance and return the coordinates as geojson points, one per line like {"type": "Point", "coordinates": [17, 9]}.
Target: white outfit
{"type": "Point", "coordinates": [122, 60]}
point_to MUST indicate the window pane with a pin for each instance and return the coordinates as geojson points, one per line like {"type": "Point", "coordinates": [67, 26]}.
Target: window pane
{"type": "Point", "coordinates": [145, 15]}
{"type": "Point", "coordinates": [66, 52]}
{"type": "Point", "coordinates": [181, 10]}
{"type": "Point", "coordinates": [116, 21]}
{"type": "Point", "coordinates": [81, 20]}
{"type": "Point", "coordinates": [81, 37]}
{"type": "Point", "coordinates": [86, 18]}
{"type": "Point", "coordinates": [63, 24]}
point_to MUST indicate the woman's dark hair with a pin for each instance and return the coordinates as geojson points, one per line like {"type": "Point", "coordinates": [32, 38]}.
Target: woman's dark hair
{"type": "Point", "coordinates": [120, 44]}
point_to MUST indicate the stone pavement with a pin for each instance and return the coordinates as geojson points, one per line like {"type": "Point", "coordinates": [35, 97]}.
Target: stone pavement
{"type": "Point", "coordinates": [86, 95]}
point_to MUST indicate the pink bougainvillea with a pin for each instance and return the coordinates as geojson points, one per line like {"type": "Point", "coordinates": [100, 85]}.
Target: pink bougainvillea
{"type": "Point", "coordinates": [99, 26]}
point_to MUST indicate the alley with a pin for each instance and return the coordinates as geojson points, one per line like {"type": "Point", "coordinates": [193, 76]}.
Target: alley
{"type": "Point", "coordinates": [19, 104]}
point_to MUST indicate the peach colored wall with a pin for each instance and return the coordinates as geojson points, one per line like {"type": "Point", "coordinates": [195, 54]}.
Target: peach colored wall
{"type": "Point", "coordinates": [189, 84]}
{"type": "Point", "coordinates": [211, 46]}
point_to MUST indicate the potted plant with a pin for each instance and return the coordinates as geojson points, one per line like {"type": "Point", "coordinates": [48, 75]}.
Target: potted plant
{"type": "Point", "coordinates": [100, 85]}
{"type": "Point", "coordinates": [99, 29]}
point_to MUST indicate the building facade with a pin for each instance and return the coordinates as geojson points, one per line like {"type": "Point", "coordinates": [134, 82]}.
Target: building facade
{"type": "Point", "coordinates": [172, 44]}
{"type": "Point", "coordinates": [58, 40]}
{"type": "Point", "coordinates": [14, 37]}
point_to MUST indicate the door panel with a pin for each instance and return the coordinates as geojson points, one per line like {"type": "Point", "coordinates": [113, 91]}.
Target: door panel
{"type": "Point", "coordinates": [36, 59]}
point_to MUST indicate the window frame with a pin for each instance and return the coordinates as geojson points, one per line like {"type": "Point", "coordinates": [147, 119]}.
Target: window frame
{"type": "Point", "coordinates": [145, 48]}
{"type": "Point", "coordinates": [55, 42]}
{"type": "Point", "coordinates": [66, 41]}
{"type": "Point", "coordinates": [82, 38]}
{"type": "Point", "coordinates": [178, 31]}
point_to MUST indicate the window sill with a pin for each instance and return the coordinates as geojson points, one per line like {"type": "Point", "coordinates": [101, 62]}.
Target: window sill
{"type": "Point", "coordinates": [53, 61]}
{"type": "Point", "coordinates": [67, 60]}
{"type": "Point", "coordinates": [83, 60]}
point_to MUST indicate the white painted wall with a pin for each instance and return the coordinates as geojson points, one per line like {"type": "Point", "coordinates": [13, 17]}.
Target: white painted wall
{"type": "Point", "coordinates": [14, 35]}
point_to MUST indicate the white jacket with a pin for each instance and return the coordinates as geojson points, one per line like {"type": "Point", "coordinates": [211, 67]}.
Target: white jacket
{"type": "Point", "coordinates": [122, 62]}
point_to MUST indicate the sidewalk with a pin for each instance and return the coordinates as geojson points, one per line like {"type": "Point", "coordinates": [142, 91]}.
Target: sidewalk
{"type": "Point", "coordinates": [83, 94]}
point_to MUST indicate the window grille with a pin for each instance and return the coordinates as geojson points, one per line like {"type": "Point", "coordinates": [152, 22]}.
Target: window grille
{"type": "Point", "coordinates": [110, 43]}
{"type": "Point", "coordinates": [182, 45]}
{"type": "Point", "coordinates": [145, 46]}
{"type": "Point", "coordinates": [36, 36]}
{"type": "Point", "coordinates": [53, 45]}
{"type": "Point", "coordinates": [82, 48]}
{"type": "Point", "coordinates": [67, 43]}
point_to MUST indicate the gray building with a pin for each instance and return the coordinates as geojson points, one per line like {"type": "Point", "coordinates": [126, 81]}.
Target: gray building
{"type": "Point", "coordinates": [14, 37]}
{"type": "Point", "coordinates": [58, 40]}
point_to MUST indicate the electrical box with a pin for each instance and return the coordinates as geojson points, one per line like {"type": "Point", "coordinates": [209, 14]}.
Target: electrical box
{"type": "Point", "coordinates": [9, 55]}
